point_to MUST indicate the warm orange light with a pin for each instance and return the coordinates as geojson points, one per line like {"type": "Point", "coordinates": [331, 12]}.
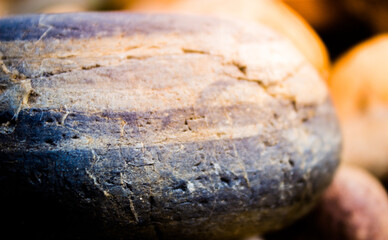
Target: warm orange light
{"type": "Point", "coordinates": [359, 86]}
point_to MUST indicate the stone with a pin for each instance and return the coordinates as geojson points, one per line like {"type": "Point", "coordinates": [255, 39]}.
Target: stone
{"type": "Point", "coordinates": [355, 206]}
{"type": "Point", "coordinates": [272, 13]}
{"type": "Point", "coordinates": [164, 126]}
{"type": "Point", "coordinates": [359, 88]}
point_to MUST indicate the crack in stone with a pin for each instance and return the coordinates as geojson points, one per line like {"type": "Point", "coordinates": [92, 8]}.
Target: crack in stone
{"type": "Point", "coordinates": [191, 51]}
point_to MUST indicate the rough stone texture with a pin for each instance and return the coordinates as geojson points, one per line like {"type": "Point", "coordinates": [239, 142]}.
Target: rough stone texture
{"type": "Point", "coordinates": [273, 13]}
{"type": "Point", "coordinates": [164, 126]}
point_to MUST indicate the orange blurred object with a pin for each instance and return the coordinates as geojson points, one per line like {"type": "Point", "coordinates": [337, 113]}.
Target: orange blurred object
{"type": "Point", "coordinates": [359, 87]}
{"type": "Point", "coordinates": [270, 12]}
{"type": "Point", "coordinates": [46, 6]}
{"type": "Point", "coordinates": [63, 8]}
{"type": "Point", "coordinates": [374, 12]}
{"type": "Point", "coordinates": [3, 8]}
{"type": "Point", "coordinates": [321, 14]}
{"type": "Point", "coordinates": [325, 14]}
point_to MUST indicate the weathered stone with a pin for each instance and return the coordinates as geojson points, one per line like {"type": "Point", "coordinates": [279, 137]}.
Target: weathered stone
{"type": "Point", "coordinates": [164, 126]}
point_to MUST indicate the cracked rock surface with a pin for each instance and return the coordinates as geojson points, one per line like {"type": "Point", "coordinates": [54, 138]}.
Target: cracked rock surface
{"type": "Point", "coordinates": [164, 126]}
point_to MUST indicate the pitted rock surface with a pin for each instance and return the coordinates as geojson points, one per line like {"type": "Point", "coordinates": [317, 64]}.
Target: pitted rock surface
{"type": "Point", "coordinates": [165, 126]}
